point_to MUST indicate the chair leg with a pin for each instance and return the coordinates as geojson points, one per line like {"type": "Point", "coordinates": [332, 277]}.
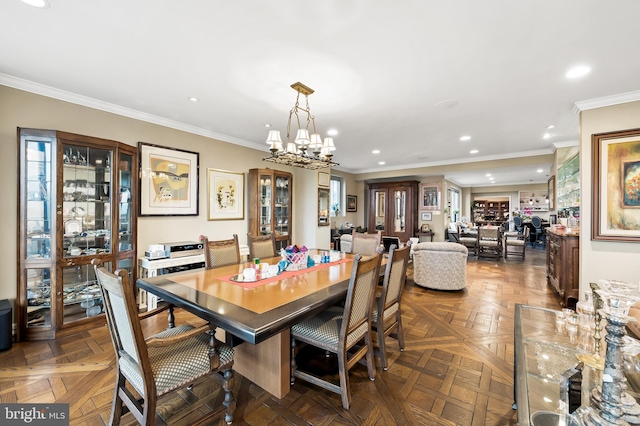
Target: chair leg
{"type": "Point", "coordinates": [345, 393]}
{"type": "Point", "coordinates": [116, 405]}
{"type": "Point", "coordinates": [293, 360]}
{"type": "Point", "coordinates": [381, 346]}
{"type": "Point", "coordinates": [400, 336]}
{"type": "Point", "coordinates": [371, 363]}
{"type": "Point", "coordinates": [229, 402]}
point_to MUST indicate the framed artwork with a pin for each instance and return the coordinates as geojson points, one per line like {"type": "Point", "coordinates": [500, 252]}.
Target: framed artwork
{"type": "Point", "coordinates": [352, 203]}
{"type": "Point", "coordinates": [324, 179]}
{"type": "Point", "coordinates": [616, 186]}
{"type": "Point", "coordinates": [426, 216]}
{"type": "Point", "coordinates": [225, 195]}
{"type": "Point", "coordinates": [430, 196]}
{"type": "Point", "coordinates": [168, 181]}
{"type": "Point", "coordinates": [424, 227]}
{"type": "Point", "coordinates": [551, 192]}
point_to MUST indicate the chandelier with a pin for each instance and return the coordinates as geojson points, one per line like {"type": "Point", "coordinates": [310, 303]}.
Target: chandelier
{"type": "Point", "coordinates": [306, 151]}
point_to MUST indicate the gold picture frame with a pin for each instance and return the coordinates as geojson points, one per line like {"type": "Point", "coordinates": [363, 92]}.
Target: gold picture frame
{"type": "Point", "coordinates": [616, 186]}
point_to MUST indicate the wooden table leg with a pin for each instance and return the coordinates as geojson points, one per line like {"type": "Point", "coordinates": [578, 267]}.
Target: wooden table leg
{"type": "Point", "coordinates": [266, 364]}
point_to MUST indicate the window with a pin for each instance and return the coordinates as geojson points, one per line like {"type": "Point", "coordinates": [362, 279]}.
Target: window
{"type": "Point", "coordinates": [337, 199]}
{"type": "Point", "coordinates": [454, 202]}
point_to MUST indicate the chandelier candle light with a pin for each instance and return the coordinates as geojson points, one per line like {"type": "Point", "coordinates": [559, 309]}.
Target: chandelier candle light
{"type": "Point", "coordinates": [306, 151]}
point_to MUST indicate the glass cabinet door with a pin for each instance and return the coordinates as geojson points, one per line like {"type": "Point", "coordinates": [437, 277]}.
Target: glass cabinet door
{"type": "Point", "coordinates": [265, 191]}
{"type": "Point", "coordinates": [281, 206]}
{"type": "Point", "coordinates": [125, 203]}
{"type": "Point", "coordinates": [38, 297]}
{"type": "Point", "coordinates": [379, 209]}
{"type": "Point", "coordinates": [400, 203]}
{"type": "Point", "coordinates": [39, 175]}
{"type": "Point", "coordinates": [81, 296]}
{"type": "Point", "coordinates": [86, 206]}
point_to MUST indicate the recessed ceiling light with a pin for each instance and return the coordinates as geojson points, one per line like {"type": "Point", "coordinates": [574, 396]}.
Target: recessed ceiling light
{"type": "Point", "coordinates": [474, 151]}
{"type": "Point", "coordinates": [267, 125]}
{"type": "Point", "coordinates": [192, 99]}
{"type": "Point", "coordinates": [579, 71]}
{"type": "Point", "coordinates": [465, 138]}
{"type": "Point", "coordinates": [382, 163]}
{"type": "Point", "coordinates": [491, 178]}
{"type": "Point", "coordinates": [551, 126]}
{"type": "Point", "coordinates": [42, 4]}
{"type": "Point", "coordinates": [546, 136]}
{"type": "Point", "coordinates": [488, 174]}
{"type": "Point", "coordinates": [375, 151]}
{"type": "Point", "coordinates": [332, 132]}
{"type": "Point", "coordinates": [539, 170]}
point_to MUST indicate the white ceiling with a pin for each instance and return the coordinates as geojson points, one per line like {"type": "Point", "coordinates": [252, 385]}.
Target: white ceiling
{"type": "Point", "coordinates": [381, 70]}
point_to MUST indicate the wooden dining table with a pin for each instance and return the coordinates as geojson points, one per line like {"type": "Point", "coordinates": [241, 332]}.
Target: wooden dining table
{"type": "Point", "coordinates": [256, 316]}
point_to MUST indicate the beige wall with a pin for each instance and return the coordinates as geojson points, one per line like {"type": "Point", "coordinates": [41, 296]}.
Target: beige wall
{"type": "Point", "coordinates": [23, 109]}
{"type": "Point", "coordinates": [603, 260]}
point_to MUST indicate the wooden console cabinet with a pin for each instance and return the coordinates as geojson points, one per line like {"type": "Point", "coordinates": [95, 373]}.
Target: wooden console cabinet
{"type": "Point", "coordinates": [563, 257]}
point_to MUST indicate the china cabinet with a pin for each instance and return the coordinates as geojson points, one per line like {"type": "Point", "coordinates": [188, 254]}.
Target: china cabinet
{"type": "Point", "coordinates": [568, 185]}
{"type": "Point", "coordinates": [499, 210]}
{"type": "Point", "coordinates": [76, 203]}
{"type": "Point", "coordinates": [270, 201]}
{"type": "Point", "coordinates": [563, 263]}
{"type": "Point", "coordinates": [393, 209]}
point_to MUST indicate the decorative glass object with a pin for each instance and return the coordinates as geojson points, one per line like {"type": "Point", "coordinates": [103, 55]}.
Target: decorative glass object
{"type": "Point", "coordinates": [609, 403]}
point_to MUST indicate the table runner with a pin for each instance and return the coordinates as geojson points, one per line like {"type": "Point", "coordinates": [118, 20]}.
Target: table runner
{"type": "Point", "coordinates": [283, 275]}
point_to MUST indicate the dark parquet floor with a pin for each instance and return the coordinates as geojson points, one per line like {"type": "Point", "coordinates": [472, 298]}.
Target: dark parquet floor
{"type": "Point", "coordinates": [457, 368]}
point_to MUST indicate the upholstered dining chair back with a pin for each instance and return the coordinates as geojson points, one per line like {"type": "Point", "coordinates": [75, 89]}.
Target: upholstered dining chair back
{"type": "Point", "coordinates": [517, 222]}
{"type": "Point", "coordinates": [490, 241]}
{"type": "Point", "coordinates": [339, 329]}
{"type": "Point", "coordinates": [221, 252]}
{"type": "Point", "coordinates": [517, 243]}
{"type": "Point", "coordinates": [261, 246]}
{"type": "Point", "coordinates": [159, 364]}
{"type": "Point", "coordinates": [386, 315]}
{"type": "Point", "coordinates": [366, 244]}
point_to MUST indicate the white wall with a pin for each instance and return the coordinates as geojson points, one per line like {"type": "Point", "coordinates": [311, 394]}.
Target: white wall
{"type": "Point", "coordinates": [598, 259]}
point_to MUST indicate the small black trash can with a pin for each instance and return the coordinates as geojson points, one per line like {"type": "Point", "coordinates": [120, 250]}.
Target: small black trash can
{"type": "Point", "coordinates": [5, 325]}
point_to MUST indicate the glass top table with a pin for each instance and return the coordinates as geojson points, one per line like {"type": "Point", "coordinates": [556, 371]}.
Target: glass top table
{"type": "Point", "coordinates": [545, 353]}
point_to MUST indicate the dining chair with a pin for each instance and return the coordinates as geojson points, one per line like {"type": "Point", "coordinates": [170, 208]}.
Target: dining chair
{"type": "Point", "coordinates": [344, 331]}
{"type": "Point", "coordinates": [538, 232]}
{"type": "Point", "coordinates": [261, 246]}
{"type": "Point", "coordinates": [366, 244]}
{"type": "Point", "coordinates": [221, 252]}
{"type": "Point", "coordinates": [489, 242]}
{"type": "Point", "coordinates": [388, 303]}
{"type": "Point", "coordinates": [517, 222]}
{"type": "Point", "coordinates": [156, 365]}
{"type": "Point", "coordinates": [516, 240]}
{"type": "Point", "coordinates": [469, 239]}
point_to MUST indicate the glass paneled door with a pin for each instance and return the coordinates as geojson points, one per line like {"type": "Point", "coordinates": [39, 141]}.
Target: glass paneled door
{"type": "Point", "coordinates": [87, 218]}
{"type": "Point", "coordinates": [39, 171]}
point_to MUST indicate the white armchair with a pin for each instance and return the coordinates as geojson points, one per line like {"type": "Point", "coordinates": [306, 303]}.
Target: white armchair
{"type": "Point", "coordinates": [440, 265]}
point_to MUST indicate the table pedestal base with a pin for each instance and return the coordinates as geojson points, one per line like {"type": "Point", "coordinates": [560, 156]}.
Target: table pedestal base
{"type": "Point", "coordinates": [266, 364]}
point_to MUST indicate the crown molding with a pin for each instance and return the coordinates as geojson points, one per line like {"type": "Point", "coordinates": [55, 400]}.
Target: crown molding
{"type": "Point", "coordinates": [622, 98]}
{"type": "Point", "coordinates": [565, 144]}
{"type": "Point", "coordinates": [63, 95]}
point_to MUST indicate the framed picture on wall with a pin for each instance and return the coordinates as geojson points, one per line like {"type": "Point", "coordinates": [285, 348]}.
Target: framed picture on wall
{"type": "Point", "coordinates": [225, 195]}
{"type": "Point", "coordinates": [168, 181]}
{"type": "Point", "coordinates": [430, 197]}
{"type": "Point", "coordinates": [352, 203]}
{"type": "Point", "coordinates": [616, 186]}
{"type": "Point", "coordinates": [426, 216]}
